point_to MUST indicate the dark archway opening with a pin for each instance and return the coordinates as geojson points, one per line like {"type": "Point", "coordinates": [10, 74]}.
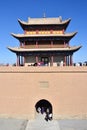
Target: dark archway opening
{"type": "Point", "coordinates": [44, 106]}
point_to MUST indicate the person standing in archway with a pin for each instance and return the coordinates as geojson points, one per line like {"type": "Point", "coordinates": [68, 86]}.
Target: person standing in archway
{"type": "Point", "coordinates": [47, 114]}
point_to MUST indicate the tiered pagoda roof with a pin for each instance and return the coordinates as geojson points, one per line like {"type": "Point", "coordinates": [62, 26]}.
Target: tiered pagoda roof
{"type": "Point", "coordinates": [67, 49]}
{"type": "Point", "coordinates": [35, 22]}
{"type": "Point", "coordinates": [32, 34]}
{"type": "Point", "coordinates": [22, 37]}
{"type": "Point", "coordinates": [44, 21]}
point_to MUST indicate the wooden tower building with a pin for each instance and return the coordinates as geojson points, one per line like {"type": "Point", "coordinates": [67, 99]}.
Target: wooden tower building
{"type": "Point", "coordinates": [44, 43]}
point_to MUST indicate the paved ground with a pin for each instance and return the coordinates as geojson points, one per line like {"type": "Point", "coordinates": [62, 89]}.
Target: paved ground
{"type": "Point", "coordinates": [12, 124]}
{"type": "Point", "coordinates": [73, 124]}
{"type": "Point", "coordinates": [18, 124]}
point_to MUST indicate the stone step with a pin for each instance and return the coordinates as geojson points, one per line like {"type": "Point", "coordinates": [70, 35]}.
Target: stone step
{"type": "Point", "coordinates": [41, 124]}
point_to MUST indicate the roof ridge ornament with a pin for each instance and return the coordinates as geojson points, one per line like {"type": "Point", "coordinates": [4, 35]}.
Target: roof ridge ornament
{"type": "Point", "coordinates": [44, 15]}
{"type": "Point", "coordinates": [60, 17]}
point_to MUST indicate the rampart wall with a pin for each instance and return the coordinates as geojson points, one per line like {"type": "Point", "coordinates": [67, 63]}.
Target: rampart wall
{"type": "Point", "coordinates": [64, 87]}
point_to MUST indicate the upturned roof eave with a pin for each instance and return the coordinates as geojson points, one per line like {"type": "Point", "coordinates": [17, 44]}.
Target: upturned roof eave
{"type": "Point", "coordinates": [18, 36]}
{"type": "Point", "coordinates": [23, 37]}
{"type": "Point", "coordinates": [67, 49]}
{"type": "Point", "coordinates": [23, 23]}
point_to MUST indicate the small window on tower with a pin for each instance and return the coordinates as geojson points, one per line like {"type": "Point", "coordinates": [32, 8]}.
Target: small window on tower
{"type": "Point", "coordinates": [44, 84]}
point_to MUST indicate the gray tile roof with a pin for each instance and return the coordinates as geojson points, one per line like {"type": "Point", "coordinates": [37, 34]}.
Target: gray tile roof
{"type": "Point", "coordinates": [18, 49]}
{"type": "Point", "coordinates": [43, 35]}
{"type": "Point", "coordinates": [44, 21]}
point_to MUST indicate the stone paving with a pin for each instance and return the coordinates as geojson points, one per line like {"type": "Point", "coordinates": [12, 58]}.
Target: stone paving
{"type": "Point", "coordinates": [12, 124]}
{"type": "Point", "coordinates": [73, 124]}
{"type": "Point", "coordinates": [41, 124]}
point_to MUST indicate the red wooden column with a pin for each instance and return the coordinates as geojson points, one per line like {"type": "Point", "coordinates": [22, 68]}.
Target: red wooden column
{"type": "Point", "coordinates": [51, 44]}
{"type": "Point", "coordinates": [24, 61]}
{"type": "Point", "coordinates": [36, 59]}
{"type": "Point", "coordinates": [24, 44]}
{"type": "Point", "coordinates": [36, 55]}
{"type": "Point", "coordinates": [21, 60]}
{"type": "Point", "coordinates": [65, 60]}
{"type": "Point", "coordinates": [52, 60]}
{"type": "Point", "coordinates": [36, 44]}
{"type": "Point", "coordinates": [18, 60]}
{"type": "Point", "coordinates": [52, 55]}
{"type": "Point", "coordinates": [64, 44]}
{"type": "Point", "coordinates": [20, 44]}
{"type": "Point", "coordinates": [68, 61]}
{"type": "Point", "coordinates": [71, 60]}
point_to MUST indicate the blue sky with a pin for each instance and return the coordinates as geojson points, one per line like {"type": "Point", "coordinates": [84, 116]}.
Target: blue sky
{"type": "Point", "coordinates": [12, 10]}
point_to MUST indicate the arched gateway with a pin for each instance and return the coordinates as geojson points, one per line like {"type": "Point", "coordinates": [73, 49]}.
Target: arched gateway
{"type": "Point", "coordinates": [44, 106]}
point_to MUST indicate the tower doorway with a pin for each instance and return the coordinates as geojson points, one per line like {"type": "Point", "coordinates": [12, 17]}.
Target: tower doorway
{"type": "Point", "coordinates": [44, 106]}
